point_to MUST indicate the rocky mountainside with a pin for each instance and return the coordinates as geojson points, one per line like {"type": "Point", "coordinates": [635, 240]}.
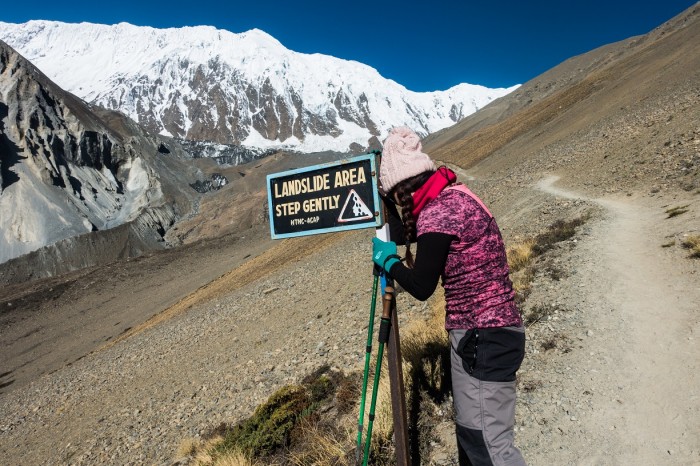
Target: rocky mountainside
{"type": "Point", "coordinates": [69, 169]}
{"type": "Point", "coordinates": [206, 84]}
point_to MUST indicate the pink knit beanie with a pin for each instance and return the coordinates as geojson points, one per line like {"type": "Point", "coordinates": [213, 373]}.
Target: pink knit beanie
{"type": "Point", "coordinates": [402, 158]}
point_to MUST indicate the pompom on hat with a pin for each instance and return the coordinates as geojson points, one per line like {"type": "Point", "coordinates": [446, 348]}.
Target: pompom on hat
{"type": "Point", "coordinates": [402, 158]}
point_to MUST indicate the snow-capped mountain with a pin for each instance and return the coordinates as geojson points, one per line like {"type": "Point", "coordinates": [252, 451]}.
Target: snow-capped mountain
{"type": "Point", "coordinates": [207, 84]}
{"type": "Point", "coordinates": [67, 169]}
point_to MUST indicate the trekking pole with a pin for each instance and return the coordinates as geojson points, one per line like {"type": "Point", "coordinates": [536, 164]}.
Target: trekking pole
{"type": "Point", "coordinates": [389, 334]}
{"type": "Point", "coordinates": [384, 329]}
{"type": "Point", "coordinates": [368, 351]}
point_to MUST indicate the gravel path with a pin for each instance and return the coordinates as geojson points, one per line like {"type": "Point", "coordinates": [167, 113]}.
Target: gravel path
{"type": "Point", "coordinates": [622, 385]}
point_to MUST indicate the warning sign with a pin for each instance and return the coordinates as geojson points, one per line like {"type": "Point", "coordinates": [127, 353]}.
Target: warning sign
{"type": "Point", "coordinates": [324, 198]}
{"type": "Point", "coordinates": [358, 211]}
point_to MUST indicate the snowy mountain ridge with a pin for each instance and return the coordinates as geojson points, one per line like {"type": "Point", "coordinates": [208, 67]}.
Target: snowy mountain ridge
{"type": "Point", "coordinates": [206, 84]}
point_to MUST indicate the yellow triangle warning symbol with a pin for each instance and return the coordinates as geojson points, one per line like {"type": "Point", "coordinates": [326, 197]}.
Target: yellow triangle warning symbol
{"type": "Point", "coordinates": [354, 209]}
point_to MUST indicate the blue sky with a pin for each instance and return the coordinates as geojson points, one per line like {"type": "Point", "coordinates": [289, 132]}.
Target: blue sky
{"type": "Point", "coordinates": [428, 45]}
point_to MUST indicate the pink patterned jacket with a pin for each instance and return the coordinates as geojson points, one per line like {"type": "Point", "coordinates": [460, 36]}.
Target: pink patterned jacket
{"type": "Point", "coordinates": [478, 290]}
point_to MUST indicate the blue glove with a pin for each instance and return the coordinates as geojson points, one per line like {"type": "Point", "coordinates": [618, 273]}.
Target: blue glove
{"type": "Point", "coordinates": [384, 254]}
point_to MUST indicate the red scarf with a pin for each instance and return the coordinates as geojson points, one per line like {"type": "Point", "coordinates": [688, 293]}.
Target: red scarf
{"type": "Point", "coordinates": [442, 178]}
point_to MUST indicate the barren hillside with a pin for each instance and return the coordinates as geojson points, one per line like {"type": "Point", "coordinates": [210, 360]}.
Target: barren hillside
{"type": "Point", "coordinates": [625, 114]}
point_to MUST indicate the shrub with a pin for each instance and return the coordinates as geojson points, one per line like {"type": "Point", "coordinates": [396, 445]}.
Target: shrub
{"type": "Point", "coordinates": [539, 313]}
{"type": "Point", "coordinates": [520, 254]}
{"type": "Point", "coordinates": [561, 230]}
{"type": "Point", "coordinates": [692, 243]}
{"type": "Point", "coordinates": [269, 428]}
{"type": "Point", "coordinates": [286, 424]}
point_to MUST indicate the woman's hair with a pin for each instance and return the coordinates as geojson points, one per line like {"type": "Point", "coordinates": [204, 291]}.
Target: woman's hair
{"type": "Point", "coordinates": [404, 193]}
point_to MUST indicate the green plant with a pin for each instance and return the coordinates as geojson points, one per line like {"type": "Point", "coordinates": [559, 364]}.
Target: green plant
{"type": "Point", "coordinates": [269, 428]}
{"type": "Point", "coordinates": [281, 423]}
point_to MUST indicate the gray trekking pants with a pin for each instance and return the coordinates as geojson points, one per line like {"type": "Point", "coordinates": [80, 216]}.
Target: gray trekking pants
{"type": "Point", "coordinates": [484, 363]}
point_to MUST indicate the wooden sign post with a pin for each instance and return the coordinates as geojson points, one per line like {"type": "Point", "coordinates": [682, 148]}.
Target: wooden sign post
{"type": "Point", "coordinates": [398, 395]}
{"type": "Point", "coordinates": [334, 197]}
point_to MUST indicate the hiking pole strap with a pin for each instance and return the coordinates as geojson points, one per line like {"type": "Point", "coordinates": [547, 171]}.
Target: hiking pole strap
{"type": "Point", "coordinates": [384, 329]}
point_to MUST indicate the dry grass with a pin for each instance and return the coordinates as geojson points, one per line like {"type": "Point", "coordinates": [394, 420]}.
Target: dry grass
{"type": "Point", "coordinates": [425, 355]}
{"type": "Point", "coordinates": [204, 453]}
{"type": "Point", "coordinates": [298, 424]}
{"type": "Point", "coordinates": [321, 446]}
{"type": "Point", "coordinates": [426, 351]}
{"type": "Point", "coordinates": [383, 426]}
{"type": "Point", "coordinates": [423, 344]}
{"type": "Point", "coordinates": [520, 254]}
{"type": "Point", "coordinates": [692, 243]}
{"type": "Point", "coordinates": [675, 211]}
{"type": "Point", "coordinates": [233, 459]}
{"type": "Point", "coordinates": [522, 283]}
{"type": "Point", "coordinates": [187, 447]}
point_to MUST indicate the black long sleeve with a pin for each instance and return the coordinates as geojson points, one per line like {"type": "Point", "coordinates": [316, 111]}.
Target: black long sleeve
{"type": "Point", "coordinates": [430, 258]}
{"type": "Point", "coordinates": [396, 232]}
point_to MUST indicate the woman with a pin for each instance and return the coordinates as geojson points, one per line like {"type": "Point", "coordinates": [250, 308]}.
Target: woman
{"type": "Point", "coordinates": [457, 239]}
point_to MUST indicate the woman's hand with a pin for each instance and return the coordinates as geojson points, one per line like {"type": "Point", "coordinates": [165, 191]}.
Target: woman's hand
{"type": "Point", "coordinates": [384, 254]}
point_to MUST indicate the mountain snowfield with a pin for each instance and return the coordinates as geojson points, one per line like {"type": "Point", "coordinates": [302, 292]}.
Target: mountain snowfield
{"type": "Point", "coordinates": [206, 84]}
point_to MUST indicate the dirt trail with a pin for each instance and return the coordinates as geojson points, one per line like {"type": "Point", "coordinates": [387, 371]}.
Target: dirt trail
{"type": "Point", "coordinates": [643, 327]}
